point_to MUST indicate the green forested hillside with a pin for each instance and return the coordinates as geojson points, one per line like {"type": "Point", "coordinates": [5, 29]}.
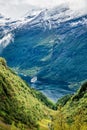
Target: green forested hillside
{"type": "Point", "coordinates": [24, 108]}
{"type": "Point", "coordinates": [18, 102]}
{"type": "Point", "coordinates": [72, 111]}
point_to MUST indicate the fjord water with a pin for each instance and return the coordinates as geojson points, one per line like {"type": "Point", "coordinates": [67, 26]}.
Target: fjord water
{"type": "Point", "coordinates": [52, 47]}
{"type": "Point", "coordinates": [52, 90]}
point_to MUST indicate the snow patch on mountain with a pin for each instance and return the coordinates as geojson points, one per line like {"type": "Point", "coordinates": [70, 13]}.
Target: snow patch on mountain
{"type": "Point", "coordinates": [83, 22]}
{"type": "Point", "coordinates": [50, 18]}
{"type": "Point", "coordinates": [5, 41]}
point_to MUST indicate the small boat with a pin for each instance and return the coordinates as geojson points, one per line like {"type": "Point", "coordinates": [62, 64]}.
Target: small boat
{"type": "Point", "coordinates": [34, 79]}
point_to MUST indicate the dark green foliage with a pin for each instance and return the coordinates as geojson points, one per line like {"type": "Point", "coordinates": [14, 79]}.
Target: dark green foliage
{"type": "Point", "coordinates": [80, 93]}
{"type": "Point", "coordinates": [3, 62]}
{"type": "Point", "coordinates": [41, 97]}
{"type": "Point", "coordinates": [83, 88]}
{"type": "Point", "coordinates": [62, 101]}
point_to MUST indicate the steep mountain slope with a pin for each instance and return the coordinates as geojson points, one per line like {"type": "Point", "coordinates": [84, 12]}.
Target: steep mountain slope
{"type": "Point", "coordinates": [53, 44]}
{"type": "Point", "coordinates": [72, 114]}
{"type": "Point", "coordinates": [76, 101]}
{"type": "Point", "coordinates": [18, 102]}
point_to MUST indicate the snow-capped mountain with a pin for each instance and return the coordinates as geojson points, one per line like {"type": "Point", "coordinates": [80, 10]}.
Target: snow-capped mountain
{"type": "Point", "coordinates": [51, 17]}
{"type": "Point", "coordinates": [50, 44]}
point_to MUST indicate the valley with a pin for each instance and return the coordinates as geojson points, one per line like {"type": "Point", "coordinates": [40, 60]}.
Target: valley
{"type": "Point", "coordinates": [23, 108]}
{"type": "Point", "coordinates": [43, 69]}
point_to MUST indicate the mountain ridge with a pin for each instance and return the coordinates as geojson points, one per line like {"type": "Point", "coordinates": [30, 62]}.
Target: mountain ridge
{"type": "Point", "coordinates": [18, 102]}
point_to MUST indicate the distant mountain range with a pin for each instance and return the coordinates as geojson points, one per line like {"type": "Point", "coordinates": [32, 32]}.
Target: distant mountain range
{"type": "Point", "coordinates": [50, 44]}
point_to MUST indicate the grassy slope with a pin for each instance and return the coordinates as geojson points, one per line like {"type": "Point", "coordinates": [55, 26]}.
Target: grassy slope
{"type": "Point", "coordinates": [72, 111]}
{"type": "Point", "coordinates": [4, 126]}
{"type": "Point", "coordinates": [78, 103]}
{"type": "Point", "coordinates": [17, 101]}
